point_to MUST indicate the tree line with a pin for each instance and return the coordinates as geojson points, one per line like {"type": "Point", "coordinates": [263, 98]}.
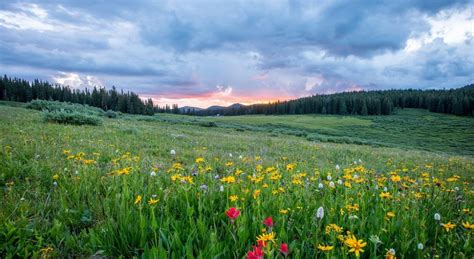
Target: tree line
{"type": "Point", "coordinates": [19, 90]}
{"type": "Point", "coordinates": [381, 102]}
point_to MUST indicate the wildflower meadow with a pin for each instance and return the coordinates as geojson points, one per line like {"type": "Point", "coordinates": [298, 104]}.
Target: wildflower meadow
{"type": "Point", "coordinates": [147, 189]}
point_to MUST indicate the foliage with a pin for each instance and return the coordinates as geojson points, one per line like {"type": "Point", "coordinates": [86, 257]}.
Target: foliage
{"type": "Point", "coordinates": [110, 114]}
{"type": "Point", "coordinates": [52, 106]}
{"type": "Point", "coordinates": [18, 90]}
{"type": "Point", "coordinates": [455, 101]}
{"type": "Point", "coordinates": [73, 118]}
{"type": "Point", "coordinates": [110, 193]}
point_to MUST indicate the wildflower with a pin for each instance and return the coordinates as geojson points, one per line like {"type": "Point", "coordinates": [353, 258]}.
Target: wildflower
{"type": "Point", "coordinates": [229, 164]}
{"type": "Point", "coordinates": [173, 152]}
{"type": "Point", "coordinates": [264, 238]}
{"type": "Point", "coordinates": [55, 183]}
{"type": "Point", "coordinates": [355, 245]}
{"type": "Point", "coordinates": [375, 239]}
{"type": "Point", "coordinates": [203, 187]}
{"type": "Point", "coordinates": [55, 177]}
{"type": "Point", "coordinates": [284, 249]}
{"type": "Point", "coordinates": [437, 217]}
{"type": "Point", "coordinates": [46, 251]}
{"type": "Point", "coordinates": [320, 213]}
{"type": "Point", "coordinates": [232, 213]}
{"type": "Point", "coordinates": [256, 193]}
{"type": "Point", "coordinates": [325, 248]}
{"type": "Point", "coordinates": [152, 201]}
{"type": "Point", "coordinates": [228, 179]}
{"type": "Point", "coordinates": [329, 177]}
{"type": "Point", "coordinates": [468, 225]}
{"type": "Point", "coordinates": [138, 199]}
{"type": "Point", "coordinates": [390, 214]}
{"type": "Point", "coordinates": [290, 167]}
{"type": "Point", "coordinates": [320, 186]}
{"type": "Point", "coordinates": [338, 167]}
{"type": "Point", "coordinates": [331, 184]}
{"type": "Point", "coordinates": [448, 226]}
{"type": "Point", "coordinates": [221, 188]}
{"type": "Point", "coordinates": [395, 178]}
{"type": "Point", "coordinates": [256, 253]}
{"type": "Point", "coordinates": [284, 211]}
{"type": "Point", "coordinates": [153, 173]}
{"type": "Point", "coordinates": [233, 198]}
{"type": "Point", "coordinates": [339, 182]}
{"type": "Point", "coordinates": [390, 254]}
{"type": "Point", "coordinates": [199, 160]}
{"type": "Point", "coordinates": [385, 195]}
{"type": "Point", "coordinates": [268, 222]}
{"type": "Point", "coordinates": [420, 246]}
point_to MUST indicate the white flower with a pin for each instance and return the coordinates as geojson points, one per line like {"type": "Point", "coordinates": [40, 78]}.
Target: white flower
{"type": "Point", "coordinates": [173, 152]}
{"type": "Point", "coordinates": [355, 162]}
{"type": "Point", "coordinates": [153, 173]}
{"type": "Point", "coordinates": [77, 172]}
{"type": "Point", "coordinates": [338, 167]}
{"type": "Point", "coordinates": [392, 251]}
{"type": "Point", "coordinates": [375, 239]}
{"type": "Point", "coordinates": [353, 217]}
{"type": "Point", "coordinates": [329, 178]}
{"type": "Point", "coordinates": [230, 154]}
{"type": "Point", "coordinates": [356, 176]}
{"type": "Point", "coordinates": [456, 188]}
{"type": "Point", "coordinates": [331, 184]}
{"type": "Point", "coordinates": [240, 157]}
{"type": "Point", "coordinates": [153, 196]}
{"type": "Point", "coordinates": [320, 213]}
{"type": "Point", "coordinates": [420, 246]}
{"type": "Point", "coordinates": [221, 188]}
{"type": "Point", "coordinates": [339, 181]}
{"type": "Point", "coordinates": [385, 189]}
{"type": "Point", "coordinates": [437, 216]}
{"type": "Point", "coordinates": [22, 199]}
{"type": "Point", "coordinates": [376, 187]}
{"type": "Point", "coordinates": [203, 187]}
{"type": "Point", "coordinates": [55, 183]}
{"type": "Point", "coordinates": [320, 185]}
{"type": "Point", "coordinates": [360, 161]}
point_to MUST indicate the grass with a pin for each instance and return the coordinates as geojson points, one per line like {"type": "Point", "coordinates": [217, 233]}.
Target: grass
{"type": "Point", "coordinates": [407, 129]}
{"type": "Point", "coordinates": [74, 191]}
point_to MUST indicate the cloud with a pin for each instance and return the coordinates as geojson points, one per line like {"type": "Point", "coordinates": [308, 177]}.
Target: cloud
{"type": "Point", "coordinates": [218, 51]}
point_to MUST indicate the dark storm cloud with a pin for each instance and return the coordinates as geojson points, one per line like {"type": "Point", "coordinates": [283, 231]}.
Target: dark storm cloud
{"type": "Point", "coordinates": [190, 47]}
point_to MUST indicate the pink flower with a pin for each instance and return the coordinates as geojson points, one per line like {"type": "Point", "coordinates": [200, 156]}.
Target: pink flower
{"type": "Point", "coordinates": [268, 222]}
{"type": "Point", "coordinates": [256, 253]}
{"type": "Point", "coordinates": [284, 249]}
{"type": "Point", "coordinates": [232, 213]}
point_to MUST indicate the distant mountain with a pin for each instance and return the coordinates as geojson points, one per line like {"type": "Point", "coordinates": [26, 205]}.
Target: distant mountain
{"type": "Point", "coordinates": [215, 107]}
{"type": "Point", "coordinates": [185, 109]}
{"type": "Point", "coordinates": [236, 106]}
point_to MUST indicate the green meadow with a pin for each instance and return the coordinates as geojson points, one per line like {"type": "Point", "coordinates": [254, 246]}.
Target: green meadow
{"type": "Point", "coordinates": [160, 186]}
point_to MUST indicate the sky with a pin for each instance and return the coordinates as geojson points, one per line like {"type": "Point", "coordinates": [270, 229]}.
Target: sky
{"type": "Point", "coordinates": [201, 53]}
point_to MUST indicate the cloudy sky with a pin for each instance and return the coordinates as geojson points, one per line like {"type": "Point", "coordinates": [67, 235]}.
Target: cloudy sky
{"type": "Point", "coordinates": [201, 52]}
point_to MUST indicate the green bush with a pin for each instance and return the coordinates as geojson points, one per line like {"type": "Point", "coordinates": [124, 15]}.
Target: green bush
{"type": "Point", "coordinates": [110, 114]}
{"type": "Point", "coordinates": [43, 105]}
{"type": "Point", "coordinates": [74, 118]}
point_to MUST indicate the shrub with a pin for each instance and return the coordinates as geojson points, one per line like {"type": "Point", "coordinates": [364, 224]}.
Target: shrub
{"type": "Point", "coordinates": [74, 118]}
{"type": "Point", "coordinates": [110, 114]}
{"type": "Point", "coordinates": [43, 105]}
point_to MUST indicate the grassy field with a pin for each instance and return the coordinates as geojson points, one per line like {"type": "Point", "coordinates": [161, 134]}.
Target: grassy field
{"type": "Point", "coordinates": [168, 186]}
{"type": "Point", "coordinates": [407, 129]}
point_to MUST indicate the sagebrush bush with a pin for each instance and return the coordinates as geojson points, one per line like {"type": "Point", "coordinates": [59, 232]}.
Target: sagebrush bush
{"type": "Point", "coordinates": [74, 118]}
{"type": "Point", "coordinates": [44, 105]}
{"type": "Point", "coordinates": [110, 114]}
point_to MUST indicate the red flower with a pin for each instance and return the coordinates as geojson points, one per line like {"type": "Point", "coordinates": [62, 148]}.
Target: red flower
{"type": "Point", "coordinates": [284, 249]}
{"type": "Point", "coordinates": [232, 213]}
{"type": "Point", "coordinates": [268, 222]}
{"type": "Point", "coordinates": [256, 253]}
